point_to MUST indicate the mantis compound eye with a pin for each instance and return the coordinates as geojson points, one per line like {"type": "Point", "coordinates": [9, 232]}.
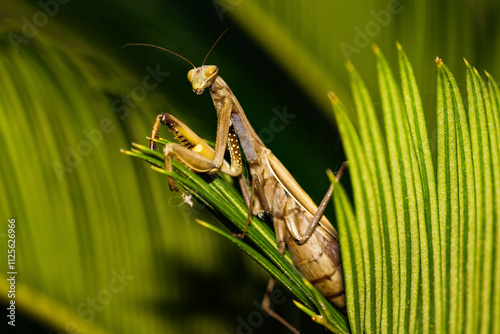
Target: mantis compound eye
{"type": "Point", "coordinates": [190, 75]}
{"type": "Point", "coordinates": [210, 71]}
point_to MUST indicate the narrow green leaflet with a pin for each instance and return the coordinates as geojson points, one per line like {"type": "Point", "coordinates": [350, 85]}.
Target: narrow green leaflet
{"type": "Point", "coordinates": [352, 256]}
{"type": "Point", "coordinates": [448, 192]}
{"type": "Point", "coordinates": [423, 172]}
{"type": "Point", "coordinates": [495, 152]}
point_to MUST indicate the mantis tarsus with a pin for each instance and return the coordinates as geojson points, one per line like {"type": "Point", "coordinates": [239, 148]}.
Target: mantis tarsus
{"type": "Point", "coordinates": [298, 222]}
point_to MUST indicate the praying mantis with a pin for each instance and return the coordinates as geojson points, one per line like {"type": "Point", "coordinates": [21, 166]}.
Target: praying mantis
{"type": "Point", "coordinates": [298, 223]}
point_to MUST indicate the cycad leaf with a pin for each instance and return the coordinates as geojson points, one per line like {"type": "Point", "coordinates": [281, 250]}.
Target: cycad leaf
{"type": "Point", "coordinates": [442, 250]}
{"type": "Point", "coordinates": [73, 235]}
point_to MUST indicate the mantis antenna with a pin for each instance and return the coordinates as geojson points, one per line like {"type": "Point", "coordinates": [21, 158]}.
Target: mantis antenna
{"type": "Point", "coordinates": [159, 47]}
{"type": "Point", "coordinates": [214, 46]}
{"type": "Point", "coordinates": [176, 54]}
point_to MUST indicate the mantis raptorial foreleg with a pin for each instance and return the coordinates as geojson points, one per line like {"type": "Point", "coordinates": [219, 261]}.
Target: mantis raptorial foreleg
{"type": "Point", "coordinates": [193, 152]}
{"type": "Point", "coordinates": [223, 124]}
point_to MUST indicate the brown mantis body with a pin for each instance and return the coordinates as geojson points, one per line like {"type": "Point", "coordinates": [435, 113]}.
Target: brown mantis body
{"type": "Point", "coordinates": [299, 224]}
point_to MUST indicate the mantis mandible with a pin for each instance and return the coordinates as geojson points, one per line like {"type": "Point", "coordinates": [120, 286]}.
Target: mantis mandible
{"type": "Point", "coordinates": [299, 224]}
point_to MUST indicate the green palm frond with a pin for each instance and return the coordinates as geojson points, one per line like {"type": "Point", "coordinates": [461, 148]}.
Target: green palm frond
{"type": "Point", "coordinates": [419, 244]}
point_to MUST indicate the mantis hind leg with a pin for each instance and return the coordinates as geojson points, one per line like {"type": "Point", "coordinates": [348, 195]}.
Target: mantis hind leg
{"type": "Point", "coordinates": [299, 238]}
{"type": "Point", "coordinates": [280, 228]}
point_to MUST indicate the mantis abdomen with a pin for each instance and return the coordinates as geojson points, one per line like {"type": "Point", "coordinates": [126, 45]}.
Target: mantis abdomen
{"type": "Point", "coordinates": [318, 258]}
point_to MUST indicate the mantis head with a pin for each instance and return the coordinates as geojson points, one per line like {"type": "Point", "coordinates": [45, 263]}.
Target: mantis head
{"type": "Point", "coordinates": [202, 77]}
